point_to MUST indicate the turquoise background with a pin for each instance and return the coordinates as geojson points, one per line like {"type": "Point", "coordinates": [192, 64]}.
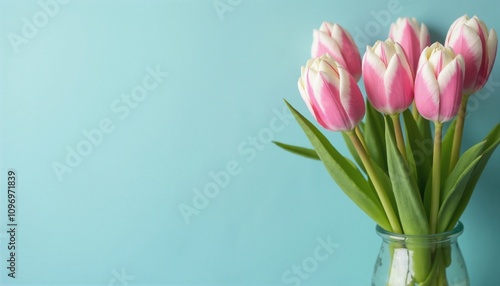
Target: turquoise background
{"type": "Point", "coordinates": [116, 218]}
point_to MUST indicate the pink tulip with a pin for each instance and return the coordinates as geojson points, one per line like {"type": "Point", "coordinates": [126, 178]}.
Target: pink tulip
{"type": "Point", "coordinates": [439, 83]}
{"type": "Point", "coordinates": [412, 37]}
{"type": "Point", "coordinates": [471, 39]}
{"type": "Point", "coordinates": [388, 77]}
{"type": "Point", "coordinates": [331, 94]}
{"type": "Point", "coordinates": [333, 40]}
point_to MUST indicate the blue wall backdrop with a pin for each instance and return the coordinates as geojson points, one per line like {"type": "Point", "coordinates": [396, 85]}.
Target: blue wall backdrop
{"type": "Point", "coordinates": [117, 115]}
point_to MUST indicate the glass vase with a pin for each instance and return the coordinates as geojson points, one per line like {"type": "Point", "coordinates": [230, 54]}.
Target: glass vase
{"type": "Point", "coordinates": [418, 260]}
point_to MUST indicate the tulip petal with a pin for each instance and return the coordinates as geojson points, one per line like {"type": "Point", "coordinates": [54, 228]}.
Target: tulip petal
{"type": "Point", "coordinates": [427, 93]}
{"type": "Point", "coordinates": [404, 60]}
{"type": "Point", "coordinates": [488, 60]}
{"type": "Point", "coordinates": [326, 87]}
{"type": "Point", "coordinates": [479, 26]}
{"type": "Point", "coordinates": [321, 44]}
{"type": "Point", "coordinates": [424, 56]}
{"type": "Point", "coordinates": [467, 43]}
{"type": "Point", "coordinates": [324, 44]}
{"type": "Point", "coordinates": [492, 49]}
{"type": "Point", "coordinates": [313, 100]}
{"type": "Point", "coordinates": [351, 98]}
{"type": "Point", "coordinates": [398, 87]}
{"type": "Point", "coordinates": [333, 40]}
{"type": "Point", "coordinates": [457, 23]}
{"type": "Point", "coordinates": [325, 27]}
{"type": "Point", "coordinates": [329, 102]}
{"type": "Point", "coordinates": [412, 38]}
{"type": "Point", "coordinates": [350, 54]}
{"type": "Point", "coordinates": [482, 32]}
{"type": "Point", "coordinates": [440, 59]}
{"type": "Point", "coordinates": [373, 72]}
{"type": "Point", "coordinates": [304, 94]}
{"type": "Point", "coordinates": [450, 82]}
{"type": "Point", "coordinates": [410, 45]}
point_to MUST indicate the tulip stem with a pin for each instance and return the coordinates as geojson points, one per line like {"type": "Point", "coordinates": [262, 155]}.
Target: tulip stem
{"type": "Point", "coordinates": [457, 137]}
{"type": "Point", "coordinates": [382, 195]}
{"type": "Point", "coordinates": [359, 133]}
{"type": "Point", "coordinates": [414, 111]}
{"type": "Point", "coordinates": [399, 135]}
{"type": "Point", "coordinates": [436, 176]}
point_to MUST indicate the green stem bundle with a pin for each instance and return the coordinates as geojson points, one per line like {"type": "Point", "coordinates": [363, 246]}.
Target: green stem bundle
{"type": "Point", "coordinates": [457, 137]}
{"type": "Point", "coordinates": [436, 176]}
{"type": "Point", "coordinates": [399, 135]}
{"type": "Point", "coordinates": [384, 199]}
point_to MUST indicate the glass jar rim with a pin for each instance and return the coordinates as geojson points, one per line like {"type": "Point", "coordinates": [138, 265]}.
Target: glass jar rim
{"type": "Point", "coordinates": [443, 236]}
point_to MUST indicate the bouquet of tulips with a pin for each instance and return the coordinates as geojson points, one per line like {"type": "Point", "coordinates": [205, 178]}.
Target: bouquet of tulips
{"type": "Point", "coordinates": [408, 175]}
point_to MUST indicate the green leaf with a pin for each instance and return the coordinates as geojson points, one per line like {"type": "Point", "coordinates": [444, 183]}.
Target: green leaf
{"type": "Point", "coordinates": [349, 178]}
{"type": "Point", "coordinates": [446, 148]}
{"type": "Point", "coordinates": [455, 185]}
{"type": "Point", "coordinates": [492, 141]}
{"type": "Point", "coordinates": [424, 126]}
{"type": "Point", "coordinates": [353, 151]}
{"type": "Point", "coordinates": [410, 207]}
{"type": "Point", "coordinates": [352, 163]}
{"type": "Point", "coordinates": [420, 149]}
{"type": "Point", "coordinates": [463, 164]}
{"type": "Point", "coordinates": [427, 196]}
{"type": "Point", "coordinates": [386, 184]}
{"type": "Point", "coordinates": [302, 151]}
{"type": "Point", "coordinates": [374, 130]}
{"type": "Point", "coordinates": [412, 166]}
{"type": "Point", "coordinates": [362, 126]}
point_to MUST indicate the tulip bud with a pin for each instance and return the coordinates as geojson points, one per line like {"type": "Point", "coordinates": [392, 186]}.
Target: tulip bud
{"type": "Point", "coordinates": [331, 94]}
{"type": "Point", "coordinates": [439, 83]}
{"type": "Point", "coordinates": [388, 77]}
{"type": "Point", "coordinates": [333, 40]}
{"type": "Point", "coordinates": [412, 37]}
{"type": "Point", "coordinates": [471, 39]}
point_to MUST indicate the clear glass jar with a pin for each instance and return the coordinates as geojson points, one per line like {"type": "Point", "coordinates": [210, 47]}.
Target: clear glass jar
{"type": "Point", "coordinates": [420, 260]}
